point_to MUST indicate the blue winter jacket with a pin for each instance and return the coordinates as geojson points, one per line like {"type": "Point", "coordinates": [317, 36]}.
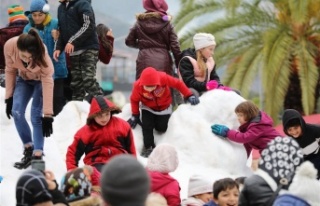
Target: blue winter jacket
{"type": "Point", "coordinates": [289, 200]}
{"type": "Point", "coordinates": [60, 67]}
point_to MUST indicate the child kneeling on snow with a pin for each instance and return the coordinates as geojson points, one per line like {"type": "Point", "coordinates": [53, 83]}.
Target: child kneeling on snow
{"type": "Point", "coordinates": [255, 131]}
{"type": "Point", "coordinates": [103, 137]}
{"type": "Point", "coordinates": [152, 89]}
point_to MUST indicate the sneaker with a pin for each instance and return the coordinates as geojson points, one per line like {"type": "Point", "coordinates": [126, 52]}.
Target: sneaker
{"type": "Point", "coordinates": [146, 152]}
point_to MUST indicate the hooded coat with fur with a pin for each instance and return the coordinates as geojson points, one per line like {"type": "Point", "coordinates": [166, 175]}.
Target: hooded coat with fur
{"type": "Point", "coordinates": [162, 160]}
{"type": "Point", "coordinates": [154, 38]}
{"type": "Point", "coordinates": [100, 143]}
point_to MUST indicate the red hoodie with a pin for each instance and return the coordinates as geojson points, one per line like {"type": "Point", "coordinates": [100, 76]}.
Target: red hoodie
{"type": "Point", "coordinates": [160, 98]}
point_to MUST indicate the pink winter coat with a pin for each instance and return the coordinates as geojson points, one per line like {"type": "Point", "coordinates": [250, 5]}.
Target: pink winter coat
{"type": "Point", "coordinates": [167, 186]}
{"type": "Point", "coordinates": [255, 134]}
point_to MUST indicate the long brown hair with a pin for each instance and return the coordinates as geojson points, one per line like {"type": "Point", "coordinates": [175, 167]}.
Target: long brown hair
{"type": "Point", "coordinates": [32, 43]}
{"type": "Point", "coordinates": [102, 34]}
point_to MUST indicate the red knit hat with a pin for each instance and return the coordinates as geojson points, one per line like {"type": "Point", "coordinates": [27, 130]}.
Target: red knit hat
{"type": "Point", "coordinates": [156, 6]}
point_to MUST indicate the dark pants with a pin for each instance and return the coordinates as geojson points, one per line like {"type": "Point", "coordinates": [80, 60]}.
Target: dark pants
{"type": "Point", "coordinates": [151, 121]}
{"type": "Point", "coordinates": [59, 99]}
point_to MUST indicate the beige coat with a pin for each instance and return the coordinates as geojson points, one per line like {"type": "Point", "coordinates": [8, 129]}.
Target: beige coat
{"type": "Point", "coordinates": [44, 74]}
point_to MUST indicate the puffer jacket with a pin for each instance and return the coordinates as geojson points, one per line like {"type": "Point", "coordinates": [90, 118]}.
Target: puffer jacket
{"type": "Point", "coordinates": [154, 38]}
{"type": "Point", "coordinates": [290, 200]}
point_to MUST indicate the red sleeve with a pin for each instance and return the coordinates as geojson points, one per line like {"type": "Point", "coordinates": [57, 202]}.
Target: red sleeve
{"type": "Point", "coordinates": [135, 98]}
{"type": "Point", "coordinates": [75, 152]}
{"type": "Point", "coordinates": [178, 84]}
{"type": "Point", "coordinates": [173, 195]}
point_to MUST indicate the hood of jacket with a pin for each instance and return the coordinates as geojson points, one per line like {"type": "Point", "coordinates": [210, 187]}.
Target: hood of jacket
{"type": "Point", "coordinates": [101, 104]}
{"type": "Point", "coordinates": [151, 22]}
{"type": "Point", "coordinates": [261, 119]}
{"type": "Point", "coordinates": [150, 77]}
{"type": "Point", "coordinates": [290, 114]}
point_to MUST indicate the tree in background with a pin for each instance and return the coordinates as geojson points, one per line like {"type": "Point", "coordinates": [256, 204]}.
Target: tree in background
{"type": "Point", "coordinates": [279, 39]}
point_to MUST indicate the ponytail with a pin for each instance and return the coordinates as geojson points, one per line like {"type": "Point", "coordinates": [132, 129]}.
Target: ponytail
{"type": "Point", "coordinates": [32, 43]}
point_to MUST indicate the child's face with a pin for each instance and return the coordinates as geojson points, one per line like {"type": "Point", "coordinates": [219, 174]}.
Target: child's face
{"type": "Point", "coordinates": [103, 118]}
{"type": "Point", "coordinates": [228, 197]}
{"type": "Point", "coordinates": [38, 17]}
{"type": "Point", "coordinates": [25, 56]}
{"type": "Point", "coordinates": [241, 118]}
{"type": "Point", "coordinates": [207, 51]}
{"type": "Point", "coordinates": [205, 197]}
{"type": "Point", "coordinates": [149, 88]}
{"type": "Point", "coordinates": [295, 131]}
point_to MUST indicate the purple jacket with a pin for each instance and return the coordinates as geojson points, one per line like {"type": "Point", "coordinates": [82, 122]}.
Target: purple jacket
{"type": "Point", "coordinates": [255, 134]}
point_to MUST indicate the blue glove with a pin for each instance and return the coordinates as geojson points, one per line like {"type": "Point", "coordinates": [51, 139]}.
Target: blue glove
{"type": "Point", "coordinates": [193, 100]}
{"type": "Point", "coordinates": [220, 130]}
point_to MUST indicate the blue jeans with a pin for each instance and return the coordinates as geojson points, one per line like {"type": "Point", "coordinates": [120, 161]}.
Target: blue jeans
{"type": "Point", "coordinates": [23, 92]}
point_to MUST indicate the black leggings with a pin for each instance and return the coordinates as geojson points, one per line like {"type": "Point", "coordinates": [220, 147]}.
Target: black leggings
{"type": "Point", "coordinates": [152, 121]}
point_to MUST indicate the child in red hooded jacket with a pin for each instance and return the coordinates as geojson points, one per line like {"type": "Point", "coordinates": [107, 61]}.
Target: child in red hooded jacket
{"type": "Point", "coordinates": [152, 90]}
{"type": "Point", "coordinates": [103, 137]}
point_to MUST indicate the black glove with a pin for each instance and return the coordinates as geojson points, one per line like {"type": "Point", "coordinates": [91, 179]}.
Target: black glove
{"type": "Point", "coordinates": [9, 103]}
{"type": "Point", "coordinates": [193, 100]}
{"type": "Point", "coordinates": [47, 126]}
{"type": "Point", "coordinates": [134, 120]}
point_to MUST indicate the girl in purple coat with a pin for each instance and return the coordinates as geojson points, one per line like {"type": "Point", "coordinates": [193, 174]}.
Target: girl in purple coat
{"type": "Point", "coordinates": [255, 131]}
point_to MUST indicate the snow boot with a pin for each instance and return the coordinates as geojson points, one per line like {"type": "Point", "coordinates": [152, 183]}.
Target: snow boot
{"type": "Point", "coordinates": [146, 152]}
{"type": "Point", "coordinates": [26, 160]}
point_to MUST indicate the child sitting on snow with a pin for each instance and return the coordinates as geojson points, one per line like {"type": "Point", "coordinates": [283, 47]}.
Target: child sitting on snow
{"type": "Point", "coordinates": [103, 137]}
{"type": "Point", "coordinates": [255, 131]}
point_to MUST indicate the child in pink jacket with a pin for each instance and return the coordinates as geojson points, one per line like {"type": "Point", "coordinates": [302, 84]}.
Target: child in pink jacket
{"type": "Point", "coordinates": [255, 131]}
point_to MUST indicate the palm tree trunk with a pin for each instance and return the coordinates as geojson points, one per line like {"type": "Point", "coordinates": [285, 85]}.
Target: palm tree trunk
{"type": "Point", "coordinates": [293, 95]}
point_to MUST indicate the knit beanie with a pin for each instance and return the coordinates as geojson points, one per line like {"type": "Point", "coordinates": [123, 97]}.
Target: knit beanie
{"type": "Point", "coordinates": [199, 185]}
{"type": "Point", "coordinates": [202, 40]}
{"type": "Point", "coordinates": [280, 159]}
{"type": "Point", "coordinates": [124, 181]}
{"type": "Point", "coordinates": [38, 5]}
{"type": "Point", "coordinates": [75, 185]}
{"type": "Point", "coordinates": [16, 13]}
{"type": "Point", "coordinates": [163, 158]}
{"type": "Point", "coordinates": [159, 6]}
{"type": "Point", "coordinates": [32, 188]}
{"type": "Point", "coordinates": [305, 184]}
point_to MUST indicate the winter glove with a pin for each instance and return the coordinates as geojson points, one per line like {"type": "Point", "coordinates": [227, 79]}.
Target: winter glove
{"type": "Point", "coordinates": [220, 130]}
{"type": "Point", "coordinates": [47, 126]}
{"type": "Point", "coordinates": [134, 120]}
{"type": "Point", "coordinates": [9, 103]}
{"type": "Point", "coordinates": [225, 88]}
{"type": "Point", "coordinates": [213, 84]}
{"type": "Point", "coordinates": [193, 100]}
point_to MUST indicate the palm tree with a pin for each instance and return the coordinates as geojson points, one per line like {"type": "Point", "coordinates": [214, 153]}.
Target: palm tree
{"type": "Point", "coordinates": [278, 38]}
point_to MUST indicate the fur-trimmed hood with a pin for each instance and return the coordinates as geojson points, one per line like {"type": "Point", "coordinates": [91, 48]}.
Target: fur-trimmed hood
{"type": "Point", "coordinates": [89, 201]}
{"type": "Point", "coordinates": [100, 104]}
{"type": "Point", "coordinates": [152, 22]}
